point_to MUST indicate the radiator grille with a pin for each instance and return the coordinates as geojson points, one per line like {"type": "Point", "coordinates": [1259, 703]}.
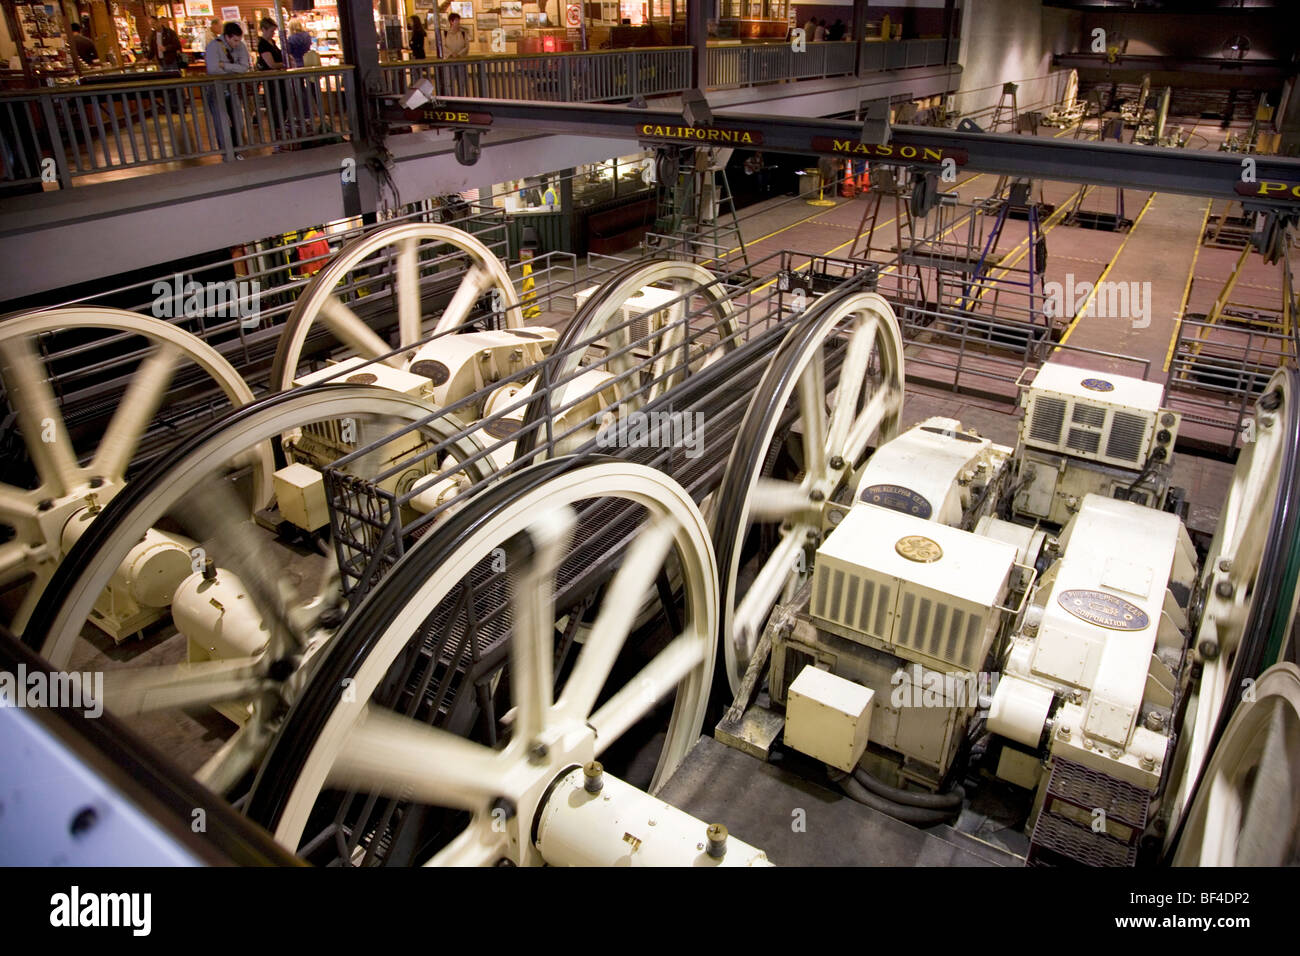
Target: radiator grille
{"type": "Point", "coordinates": [1126, 434]}
{"type": "Point", "coordinates": [860, 604]}
{"type": "Point", "coordinates": [1083, 441]}
{"type": "Point", "coordinates": [1088, 415]}
{"type": "Point", "coordinates": [1049, 415]}
{"type": "Point", "coordinates": [939, 631]}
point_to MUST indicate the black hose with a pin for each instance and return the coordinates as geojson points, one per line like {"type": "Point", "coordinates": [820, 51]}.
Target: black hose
{"type": "Point", "coordinates": [914, 815]}
{"type": "Point", "coordinates": [952, 800]}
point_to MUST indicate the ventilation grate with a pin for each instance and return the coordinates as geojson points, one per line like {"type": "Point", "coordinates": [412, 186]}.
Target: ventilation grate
{"type": "Point", "coordinates": [1126, 435]}
{"type": "Point", "coordinates": [1049, 415]}
{"type": "Point", "coordinates": [1088, 415]}
{"type": "Point", "coordinates": [1083, 441]}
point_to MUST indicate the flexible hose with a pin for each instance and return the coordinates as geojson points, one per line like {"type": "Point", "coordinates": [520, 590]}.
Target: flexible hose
{"type": "Point", "coordinates": [950, 801]}
{"type": "Point", "coordinates": [914, 815]}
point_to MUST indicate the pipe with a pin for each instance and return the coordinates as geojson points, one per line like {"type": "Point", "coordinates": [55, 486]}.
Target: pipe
{"type": "Point", "coordinates": [952, 800]}
{"type": "Point", "coordinates": [914, 815]}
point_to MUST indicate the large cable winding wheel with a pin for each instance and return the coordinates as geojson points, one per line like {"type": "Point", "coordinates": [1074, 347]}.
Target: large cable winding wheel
{"type": "Point", "coordinates": [853, 339]}
{"type": "Point", "coordinates": [399, 261]}
{"type": "Point", "coordinates": [461, 640]}
{"type": "Point", "coordinates": [65, 487]}
{"type": "Point", "coordinates": [672, 342]}
{"type": "Point", "coordinates": [253, 620]}
{"type": "Point", "coordinates": [1247, 809]}
{"type": "Point", "coordinates": [1249, 582]}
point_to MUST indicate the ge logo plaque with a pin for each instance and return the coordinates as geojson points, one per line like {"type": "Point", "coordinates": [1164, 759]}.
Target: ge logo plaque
{"type": "Point", "coordinates": [919, 548]}
{"type": "Point", "coordinates": [1098, 385]}
{"type": "Point", "coordinates": [1104, 610]}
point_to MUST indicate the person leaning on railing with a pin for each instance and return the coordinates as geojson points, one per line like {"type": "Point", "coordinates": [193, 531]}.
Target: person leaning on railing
{"type": "Point", "coordinates": [225, 55]}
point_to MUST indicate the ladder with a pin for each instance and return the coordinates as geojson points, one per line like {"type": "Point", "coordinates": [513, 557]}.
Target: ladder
{"type": "Point", "coordinates": [694, 205]}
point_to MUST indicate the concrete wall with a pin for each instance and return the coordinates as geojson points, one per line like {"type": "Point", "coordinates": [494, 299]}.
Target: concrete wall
{"type": "Point", "coordinates": [1012, 41]}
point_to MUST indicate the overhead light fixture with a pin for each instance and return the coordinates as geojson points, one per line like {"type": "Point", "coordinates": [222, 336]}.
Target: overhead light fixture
{"type": "Point", "coordinates": [875, 123]}
{"type": "Point", "coordinates": [695, 109]}
{"type": "Point", "coordinates": [418, 95]}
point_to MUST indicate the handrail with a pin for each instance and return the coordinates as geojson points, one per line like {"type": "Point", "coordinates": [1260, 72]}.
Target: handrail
{"type": "Point", "coordinates": [198, 78]}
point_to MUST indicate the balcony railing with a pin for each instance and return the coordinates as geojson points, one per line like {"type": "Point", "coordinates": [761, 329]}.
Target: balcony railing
{"type": "Point", "coordinates": [593, 77]}
{"type": "Point", "coordinates": [61, 133]}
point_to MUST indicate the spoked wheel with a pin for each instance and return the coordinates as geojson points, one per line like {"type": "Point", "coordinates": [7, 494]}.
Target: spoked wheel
{"type": "Point", "coordinates": [853, 340]}
{"type": "Point", "coordinates": [411, 253]}
{"type": "Point", "coordinates": [624, 369]}
{"type": "Point", "coordinates": [373, 766]}
{"type": "Point", "coordinates": [1247, 809]}
{"type": "Point", "coordinates": [251, 611]}
{"type": "Point", "coordinates": [39, 516]}
{"type": "Point", "coordinates": [1248, 587]}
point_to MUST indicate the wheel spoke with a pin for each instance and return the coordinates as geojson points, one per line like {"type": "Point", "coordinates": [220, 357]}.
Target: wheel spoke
{"type": "Point", "coordinates": [852, 376]}
{"type": "Point", "coordinates": [812, 414]}
{"type": "Point", "coordinates": [238, 755]}
{"type": "Point", "coordinates": [882, 403]}
{"type": "Point", "coordinates": [475, 282]}
{"type": "Point", "coordinates": [775, 500]}
{"type": "Point", "coordinates": [640, 695]}
{"type": "Point", "coordinates": [38, 417]}
{"type": "Point", "coordinates": [13, 561]}
{"type": "Point", "coordinates": [408, 291]}
{"type": "Point", "coordinates": [132, 691]}
{"type": "Point", "coordinates": [137, 408]}
{"type": "Point", "coordinates": [532, 606]}
{"type": "Point", "coordinates": [397, 757]}
{"type": "Point", "coordinates": [353, 332]}
{"type": "Point", "coordinates": [753, 608]}
{"type": "Point", "coordinates": [622, 602]}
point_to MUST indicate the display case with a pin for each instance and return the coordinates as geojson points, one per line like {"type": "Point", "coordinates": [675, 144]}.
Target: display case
{"type": "Point", "coordinates": [43, 37]}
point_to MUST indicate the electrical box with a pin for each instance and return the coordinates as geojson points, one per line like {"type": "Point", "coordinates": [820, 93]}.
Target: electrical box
{"type": "Point", "coordinates": [828, 718]}
{"type": "Point", "coordinates": [300, 494]}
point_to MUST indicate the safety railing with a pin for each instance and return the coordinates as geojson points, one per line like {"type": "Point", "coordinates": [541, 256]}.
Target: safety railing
{"type": "Point", "coordinates": [904, 54]}
{"type": "Point", "coordinates": [86, 130]}
{"type": "Point", "coordinates": [592, 77]}
{"type": "Point", "coordinates": [754, 63]}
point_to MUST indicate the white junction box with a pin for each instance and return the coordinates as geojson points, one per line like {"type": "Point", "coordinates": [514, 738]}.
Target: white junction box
{"type": "Point", "coordinates": [300, 494]}
{"type": "Point", "coordinates": [922, 590]}
{"type": "Point", "coordinates": [828, 718]}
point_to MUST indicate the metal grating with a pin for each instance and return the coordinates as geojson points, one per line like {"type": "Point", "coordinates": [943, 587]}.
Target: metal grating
{"type": "Point", "coordinates": [1083, 441]}
{"type": "Point", "coordinates": [1088, 415]}
{"type": "Point", "coordinates": [1126, 436]}
{"type": "Point", "coordinates": [1079, 791]}
{"type": "Point", "coordinates": [1049, 415]}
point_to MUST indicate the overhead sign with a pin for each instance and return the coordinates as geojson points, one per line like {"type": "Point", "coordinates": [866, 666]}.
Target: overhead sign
{"type": "Point", "coordinates": [1265, 189]}
{"type": "Point", "coordinates": [448, 117]}
{"type": "Point", "coordinates": [701, 134]}
{"type": "Point", "coordinates": [848, 146]}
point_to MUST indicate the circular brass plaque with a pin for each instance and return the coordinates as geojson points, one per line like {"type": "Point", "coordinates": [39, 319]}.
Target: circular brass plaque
{"type": "Point", "coordinates": [916, 547]}
{"type": "Point", "coordinates": [363, 378]}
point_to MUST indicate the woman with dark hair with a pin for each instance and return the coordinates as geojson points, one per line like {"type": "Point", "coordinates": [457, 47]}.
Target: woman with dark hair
{"type": "Point", "coordinates": [415, 26]}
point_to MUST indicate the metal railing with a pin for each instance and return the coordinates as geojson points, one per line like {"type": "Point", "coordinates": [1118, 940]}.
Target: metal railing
{"type": "Point", "coordinates": [753, 63]}
{"type": "Point", "coordinates": [87, 130]}
{"type": "Point", "coordinates": [591, 77]}
{"type": "Point", "coordinates": [904, 54]}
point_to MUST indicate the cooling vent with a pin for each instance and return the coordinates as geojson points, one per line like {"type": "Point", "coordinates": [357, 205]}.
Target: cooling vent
{"type": "Point", "coordinates": [1126, 435]}
{"type": "Point", "coordinates": [861, 605]}
{"type": "Point", "coordinates": [1088, 415]}
{"type": "Point", "coordinates": [1049, 415]}
{"type": "Point", "coordinates": [1082, 441]}
{"type": "Point", "coordinates": [947, 634]}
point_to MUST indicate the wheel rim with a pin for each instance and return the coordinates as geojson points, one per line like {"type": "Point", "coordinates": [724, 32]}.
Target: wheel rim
{"type": "Point", "coordinates": [166, 489]}
{"type": "Point", "coordinates": [1247, 624]}
{"type": "Point", "coordinates": [354, 743]}
{"type": "Point", "coordinates": [867, 404]}
{"type": "Point", "coordinates": [37, 545]}
{"type": "Point", "coordinates": [1229, 825]}
{"type": "Point", "coordinates": [320, 300]}
{"type": "Point", "coordinates": [672, 345]}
